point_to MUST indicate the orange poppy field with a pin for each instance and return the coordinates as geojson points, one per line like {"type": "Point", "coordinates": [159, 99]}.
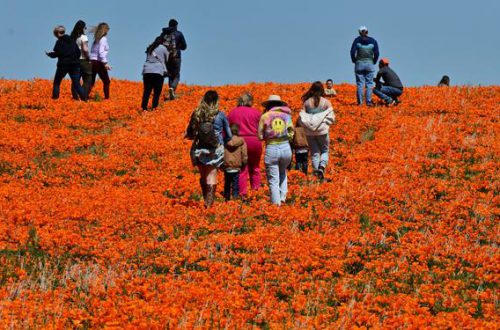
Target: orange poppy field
{"type": "Point", "coordinates": [103, 224]}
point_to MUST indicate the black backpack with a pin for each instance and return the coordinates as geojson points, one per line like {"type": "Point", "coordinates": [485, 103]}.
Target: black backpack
{"type": "Point", "coordinates": [207, 138]}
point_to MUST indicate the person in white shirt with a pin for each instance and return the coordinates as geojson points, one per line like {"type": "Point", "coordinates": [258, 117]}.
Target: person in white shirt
{"type": "Point", "coordinates": [99, 57]}
{"type": "Point", "coordinates": [78, 35]}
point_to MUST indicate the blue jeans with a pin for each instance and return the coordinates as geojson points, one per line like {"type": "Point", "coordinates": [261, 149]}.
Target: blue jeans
{"type": "Point", "coordinates": [174, 72]}
{"type": "Point", "coordinates": [365, 73]}
{"type": "Point", "coordinates": [319, 147]}
{"type": "Point", "coordinates": [74, 74]}
{"type": "Point", "coordinates": [277, 158]}
{"type": "Point", "coordinates": [388, 93]}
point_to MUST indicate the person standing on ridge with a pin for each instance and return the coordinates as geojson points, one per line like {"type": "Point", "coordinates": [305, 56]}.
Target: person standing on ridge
{"type": "Point", "coordinates": [67, 53]}
{"type": "Point", "coordinates": [78, 34]}
{"type": "Point", "coordinates": [99, 57]}
{"type": "Point", "coordinates": [391, 88]}
{"type": "Point", "coordinates": [174, 40]}
{"type": "Point", "coordinates": [364, 55]}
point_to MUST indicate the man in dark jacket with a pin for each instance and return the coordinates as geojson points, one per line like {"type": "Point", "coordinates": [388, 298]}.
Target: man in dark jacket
{"type": "Point", "coordinates": [175, 43]}
{"type": "Point", "coordinates": [68, 54]}
{"type": "Point", "coordinates": [364, 55]}
{"type": "Point", "coordinates": [391, 88]}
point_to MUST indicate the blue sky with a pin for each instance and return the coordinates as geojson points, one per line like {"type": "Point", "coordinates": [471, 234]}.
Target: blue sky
{"type": "Point", "coordinates": [235, 42]}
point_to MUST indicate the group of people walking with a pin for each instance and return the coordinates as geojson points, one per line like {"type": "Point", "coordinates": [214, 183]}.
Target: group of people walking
{"type": "Point", "coordinates": [83, 63]}
{"type": "Point", "coordinates": [80, 61]}
{"type": "Point", "coordinates": [234, 142]}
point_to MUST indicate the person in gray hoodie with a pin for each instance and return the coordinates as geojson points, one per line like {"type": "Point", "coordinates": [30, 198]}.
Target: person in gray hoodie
{"type": "Point", "coordinates": [154, 72]}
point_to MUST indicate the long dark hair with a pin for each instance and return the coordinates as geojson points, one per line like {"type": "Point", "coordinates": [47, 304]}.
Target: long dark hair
{"type": "Point", "coordinates": [78, 30]}
{"type": "Point", "coordinates": [316, 90]}
{"type": "Point", "coordinates": [158, 41]}
{"type": "Point", "coordinates": [444, 81]}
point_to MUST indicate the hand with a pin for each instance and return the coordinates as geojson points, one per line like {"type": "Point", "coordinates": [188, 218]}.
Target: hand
{"type": "Point", "coordinates": [47, 53]}
{"type": "Point", "coordinates": [107, 66]}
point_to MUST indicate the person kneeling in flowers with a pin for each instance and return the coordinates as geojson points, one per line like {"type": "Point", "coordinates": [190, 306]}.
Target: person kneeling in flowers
{"type": "Point", "coordinates": [206, 128]}
{"type": "Point", "coordinates": [276, 129]}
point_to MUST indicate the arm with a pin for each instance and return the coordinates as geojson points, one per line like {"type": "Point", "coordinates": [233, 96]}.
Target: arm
{"type": "Point", "coordinates": [103, 50]}
{"type": "Point", "coordinates": [225, 126]}
{"type": "Point", "coordinates": [375, 51]}
{"type": "Point", "coordinates": [85, 49]}
{"type": "Point", "coordinates": [260, 132]}
{"type": "Point", "coordinates": [55, 51]}
{"type": "Point", "coordinates": [190, 129]}
{"type": "Point", "coordinates": [289, 128]}
{"type": "Point", "coordinates": [353, 51]}
{"type": "Point", "coordinates": [181, 42]}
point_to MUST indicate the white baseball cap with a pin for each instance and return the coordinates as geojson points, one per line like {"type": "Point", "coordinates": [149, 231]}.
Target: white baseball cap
{"type": "Point", "coordinates": [362, 28]}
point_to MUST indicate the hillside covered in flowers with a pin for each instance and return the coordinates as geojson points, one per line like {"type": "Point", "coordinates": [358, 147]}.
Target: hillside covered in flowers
{"type": "Point", "coordinates": [102, 222]}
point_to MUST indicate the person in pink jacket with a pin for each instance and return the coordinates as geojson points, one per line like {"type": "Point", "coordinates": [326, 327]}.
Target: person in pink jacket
{"type": "Point", "coordinates": [247, 118]}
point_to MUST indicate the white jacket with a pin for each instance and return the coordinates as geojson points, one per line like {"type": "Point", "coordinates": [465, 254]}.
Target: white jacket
{"type": "Point", "coordinates": [318, 123]}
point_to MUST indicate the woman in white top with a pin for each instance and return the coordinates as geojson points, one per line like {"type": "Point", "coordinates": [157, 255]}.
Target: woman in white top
{"type": "Point", "coordinates": [316, 117]}
{"type": "Point", "coordinates": [78, 34]}
{"type": "Point", "coordinates": [99, 57]}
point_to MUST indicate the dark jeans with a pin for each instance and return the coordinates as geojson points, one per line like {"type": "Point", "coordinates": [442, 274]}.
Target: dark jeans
{"type": "Point", "coordinates": [74, 74]}
{"type": "Point", "coordinates": [86, 75]}
{"type": "Point", "coordinates": [231, 185]}
{"type": "Point", "coordinates": [153, 82]}
{"type": "Point", "coordinates": [174, 72]}
{"type": "Point", "coordinates": [387, 93]}
{"type": "Point", "coordinates": [301, 161]}
{"type": "Point", "coordinates": [99, 68]}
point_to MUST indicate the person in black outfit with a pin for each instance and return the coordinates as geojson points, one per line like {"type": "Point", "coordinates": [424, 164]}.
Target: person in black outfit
{"type": "Point", "coordinates": [68, 55]}
{"type": "Point", "coordinates": [391, 88]}
{"type": "Point", "coordinates": [175, 43]}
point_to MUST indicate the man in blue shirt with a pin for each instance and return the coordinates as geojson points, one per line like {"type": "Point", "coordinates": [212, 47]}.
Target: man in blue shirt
{"type": "Point", "coordinates": [364, 55]}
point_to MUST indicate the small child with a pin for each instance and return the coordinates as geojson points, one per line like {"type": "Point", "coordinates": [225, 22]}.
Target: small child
{"type": "Point", "coordinates": [300, 147]}
{"type": "Point", "coordinates": [235, 157]}
{"type": "Point", "coordinates": [329, 90]}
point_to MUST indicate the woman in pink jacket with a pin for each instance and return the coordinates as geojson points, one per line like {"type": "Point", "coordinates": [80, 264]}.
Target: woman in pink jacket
{"type": "Point", "coordinates": [247, 119]}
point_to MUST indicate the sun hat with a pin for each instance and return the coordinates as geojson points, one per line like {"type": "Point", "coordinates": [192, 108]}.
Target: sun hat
{"type": "Point", "coordinates": [362, 28]}
{"type": "Point", "coordinates": [273, 99]}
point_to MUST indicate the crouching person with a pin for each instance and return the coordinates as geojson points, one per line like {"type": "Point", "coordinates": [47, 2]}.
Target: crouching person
{"type": "Point", "coordinates": [391, 88]}
{"type": "Point", "coordinates": [235, 157]}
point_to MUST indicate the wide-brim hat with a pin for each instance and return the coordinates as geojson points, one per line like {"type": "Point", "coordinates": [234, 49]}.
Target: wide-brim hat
{"type": "Point", "coordinates": [275, 99]}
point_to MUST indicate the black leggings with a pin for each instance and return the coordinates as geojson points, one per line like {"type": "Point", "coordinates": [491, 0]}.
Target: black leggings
{"type": "Point", "coordinates": [153, 82]}
{"type": "Point", "coordinates": [99, 68]}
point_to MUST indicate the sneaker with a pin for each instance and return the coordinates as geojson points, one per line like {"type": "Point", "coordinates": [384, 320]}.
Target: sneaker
{"type": "Point", "coordinates": [321, 173]}
{"type": "Point", "coordinates": [171, 93]}
{"type": "Point", "coordinates": [370, 104]}
{"type": "Point", "coordinates": [391, 103]}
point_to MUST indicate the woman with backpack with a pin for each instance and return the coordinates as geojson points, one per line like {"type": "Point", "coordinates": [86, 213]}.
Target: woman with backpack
{"type": "Point", "coordinates": [99, 57]}
{"type": "Point", "coordinates": [316, 117]}
{"type": "Point", "coordinates": [154, 72]}
{"type": "Point", "coordinates": [82, 41]}
{"type": "Point", "coordinates": [276, 129]}
{"type": "Point", "coordinates": [209, 130]}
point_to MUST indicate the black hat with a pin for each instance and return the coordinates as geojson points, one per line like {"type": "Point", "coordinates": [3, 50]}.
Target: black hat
{"type": "Point", "coordinates": [172, 23]}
